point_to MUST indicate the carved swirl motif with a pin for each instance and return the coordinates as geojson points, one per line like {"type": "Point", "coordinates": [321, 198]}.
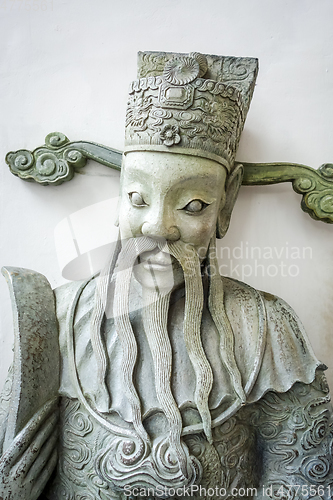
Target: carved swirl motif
{"type": "Point", "coordinates": [320, 383]}
{"type": "Point", "coordinates": [326, 170]}
{"type": "Point", "coordinates": [218, 88]}
{"type": "Point", "coordinates": [297, 419]}
{"type": "Point", "coordinates": [238, 69]}
{"type": "Point", "coordinates": [284, 452]}
{"type": "Point", "coordinates": [304, 184]}
{"type": "Point", "coordinates": [317, 432]}
{"type": "Point", "coordinates": [316, 186]}
{"type": "Point", "coordinates": [209, 459]}
{"type": "Point", "coordinates": [96, 465]}
{"type": "Point", "coordinates": [235, 443]}
{"type": "Point", "coordinates": [318, 197]}
{"type": "Point", "coordinates": [158, 116]}
{"type": "Point", "coordinates": [76, 478]}
{"type": "Point", "coordinates": [152, 64]}
{"type": "Point", "coordinates": [22, 159]}
{"type": "Point", "coordinates": [77, 425]}
{"type": "Point", "coordinates": [121, 463]}
{"type": "Point", "coordinates": [269, 430]}
{"type": "Point", "coordinates": [295, 443]}
{"type": "Point", "coordinates": [202, 60]}
{"type": "Point", "coordinates": [300, 390]}
{"type": "Point", "coordinates": [56, 140]}
{"type": "Point", "coordinates": [295, 438]}
{"type": "Point", "coordinates": [56, 161]}
{"type": "Point", "coordinates": [181, 70]}
{"type": "Point", "coordinates": [315, 469]}
{"type": "Point", "coordinates": [52, 164]}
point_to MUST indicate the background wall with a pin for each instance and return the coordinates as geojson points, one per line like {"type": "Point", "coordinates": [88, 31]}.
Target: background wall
{"type": "Point", "coordinates": [65, 66]}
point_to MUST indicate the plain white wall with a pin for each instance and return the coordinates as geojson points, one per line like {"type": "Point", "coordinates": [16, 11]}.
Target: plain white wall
{"type": "Point", "coordinates": [66, 66]}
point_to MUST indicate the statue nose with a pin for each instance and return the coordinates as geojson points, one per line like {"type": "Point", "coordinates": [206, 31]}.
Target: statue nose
{"type": "Point", "coordinates": [158, 227]}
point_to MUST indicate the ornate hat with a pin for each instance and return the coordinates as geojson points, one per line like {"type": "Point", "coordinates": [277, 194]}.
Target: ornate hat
{"type": "Point", "coordinates": [192, 104]}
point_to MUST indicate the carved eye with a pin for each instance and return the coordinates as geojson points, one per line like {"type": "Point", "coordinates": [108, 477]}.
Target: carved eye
{"type": "Point", "coordinates": [195, 206]}
{"type": "Point", "coordinates": [137, 200]}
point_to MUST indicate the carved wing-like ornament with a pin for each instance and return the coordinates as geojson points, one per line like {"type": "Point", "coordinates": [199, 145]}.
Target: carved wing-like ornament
{"type": "Point", "coordinates": [57, 160]}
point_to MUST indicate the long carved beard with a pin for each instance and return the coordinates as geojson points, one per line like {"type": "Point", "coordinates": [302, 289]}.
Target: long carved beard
{"type": "Point", "coordinates": [189, 260]}
{"type": "Point", "coordinates": [155, 312]}
{"type": "Point", "coordinates": [155, 316]}
{"type": "Point", "coordinates": [222, 323]}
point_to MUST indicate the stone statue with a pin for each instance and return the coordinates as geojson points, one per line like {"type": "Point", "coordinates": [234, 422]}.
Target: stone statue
{"type": "Point", "coordinates": [159, 377]}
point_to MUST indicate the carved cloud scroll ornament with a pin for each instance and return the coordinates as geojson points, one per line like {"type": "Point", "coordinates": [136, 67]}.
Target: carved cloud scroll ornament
{"type": "Point", "coordinates": [56, 161]}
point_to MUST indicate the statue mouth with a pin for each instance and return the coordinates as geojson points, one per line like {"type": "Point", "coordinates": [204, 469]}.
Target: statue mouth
{"type": "Point", "coordinates": [156, 260]}
{"type": "Point", "coordinates": [155, 264]}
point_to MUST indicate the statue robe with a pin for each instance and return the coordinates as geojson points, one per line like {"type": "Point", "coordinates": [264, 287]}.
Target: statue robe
{"type": "Point", "coordinates": [272, 354]}
{"type": "Point", "coordinates": [271, 349]}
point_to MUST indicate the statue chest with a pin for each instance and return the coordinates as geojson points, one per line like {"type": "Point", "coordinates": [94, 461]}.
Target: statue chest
{"type": "Point", "coordinates": [96, 464]}
{"type": "Point", "coordinates": [183, 376]}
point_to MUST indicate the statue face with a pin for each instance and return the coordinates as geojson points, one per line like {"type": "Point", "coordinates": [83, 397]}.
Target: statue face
{"type": "Point", "coordinates": [169, 197]}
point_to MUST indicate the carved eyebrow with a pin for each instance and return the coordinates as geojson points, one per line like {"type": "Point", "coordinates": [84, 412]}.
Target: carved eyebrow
{"type": "Point", "coordinates": [137, 174]}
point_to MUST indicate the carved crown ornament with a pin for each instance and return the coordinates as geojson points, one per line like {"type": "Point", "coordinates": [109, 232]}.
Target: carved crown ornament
{"type": "Point", "coordinates": [192, 104]}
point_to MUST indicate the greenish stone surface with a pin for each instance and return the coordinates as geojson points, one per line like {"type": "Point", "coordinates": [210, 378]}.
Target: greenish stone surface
{"type": "Point", "coordinates": [170, 380]}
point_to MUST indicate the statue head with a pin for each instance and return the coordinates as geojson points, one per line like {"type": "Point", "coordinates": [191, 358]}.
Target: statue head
{"type": "Point", "coordinates": [179, 181]}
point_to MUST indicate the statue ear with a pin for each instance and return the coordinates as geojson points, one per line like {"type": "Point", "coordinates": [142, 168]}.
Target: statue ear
{"type": "Point", "coordinates": [232, 185]}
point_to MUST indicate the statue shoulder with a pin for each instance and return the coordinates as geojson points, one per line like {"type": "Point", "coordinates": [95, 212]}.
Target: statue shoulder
{"type": "Point", "coordinates": [287, 355]}
{"type": "Point", "coordinates": [74, 306]}
{"type": "Point", "coordinates": [67, 293]}
{"type": "Point", "coordinates": [288, 347]}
